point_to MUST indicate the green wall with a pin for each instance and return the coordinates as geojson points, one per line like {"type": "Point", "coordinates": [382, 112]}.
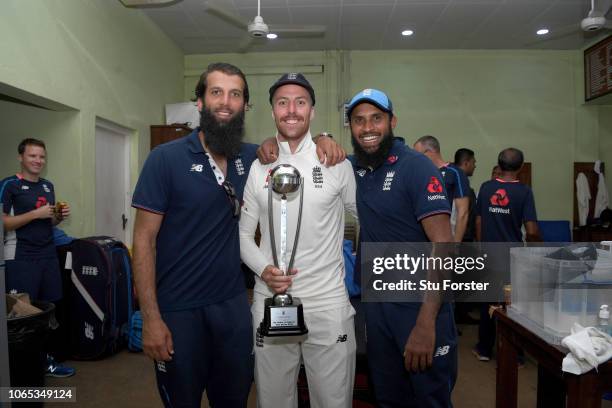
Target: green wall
{"type": "Point", "coordinates": [483, 100]}
{"type": "Point", "coordinates": [82, 59]}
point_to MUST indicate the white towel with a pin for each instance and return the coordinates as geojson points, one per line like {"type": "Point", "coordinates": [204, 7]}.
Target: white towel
{"type": "Point", "coordinates": [588, 347]}
{"type": "Point", "coordinates": [601, 200]}
{"type": "Point", "coordinates": [583, 195]}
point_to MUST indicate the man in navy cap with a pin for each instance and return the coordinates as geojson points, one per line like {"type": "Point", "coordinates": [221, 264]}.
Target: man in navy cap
{"type": "Point", "coordinates": [412, 347]}
{"type": "Point", "coordinates": [328, 349]}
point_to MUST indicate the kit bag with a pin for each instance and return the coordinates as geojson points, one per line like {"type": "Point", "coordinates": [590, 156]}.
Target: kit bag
{"type": "Point", "coordinates": [101, 300]}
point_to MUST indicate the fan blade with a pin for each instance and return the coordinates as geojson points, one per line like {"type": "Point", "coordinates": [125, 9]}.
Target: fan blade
{"type": "Point", "coordinates": [298, 30]}
{"type": "Point", "coordinates": [245, 44]}
{"type": "Point", "coordinates": [148, 3]}
{"type": "Point", "coordinates": [227, 15]}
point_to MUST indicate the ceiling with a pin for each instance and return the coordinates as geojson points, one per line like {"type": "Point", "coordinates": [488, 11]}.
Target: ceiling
{"type": "Point", "coordinates": [377, 24]}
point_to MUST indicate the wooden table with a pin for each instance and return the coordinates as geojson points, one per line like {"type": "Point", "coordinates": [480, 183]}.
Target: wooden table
{"type": "Point", "coordinates": [555, 387]}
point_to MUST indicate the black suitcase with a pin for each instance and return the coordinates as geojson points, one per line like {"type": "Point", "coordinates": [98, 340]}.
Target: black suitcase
{"type": "Point", "coordinates": [101, 301]}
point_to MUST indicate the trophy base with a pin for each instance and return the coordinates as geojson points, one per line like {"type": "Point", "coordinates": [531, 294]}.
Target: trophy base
{"type": "Point", "coordinates": [283, 318]}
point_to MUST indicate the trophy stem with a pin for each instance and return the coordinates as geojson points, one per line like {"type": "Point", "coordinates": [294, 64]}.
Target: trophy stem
{"type": "Point", "coordinates": [299, 223]}
{"type": "Point", "coordinates": [271, 223]}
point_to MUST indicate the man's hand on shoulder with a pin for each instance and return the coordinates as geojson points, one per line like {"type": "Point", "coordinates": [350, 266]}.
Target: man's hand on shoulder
{"type": "Point", "coordinates": [329, 152]}
{"type": "Point", "coordinates": [267, 152]}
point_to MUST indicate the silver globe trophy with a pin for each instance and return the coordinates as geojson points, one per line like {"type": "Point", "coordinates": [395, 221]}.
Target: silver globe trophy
{"type": "Point", "coordinates": [283, 313]}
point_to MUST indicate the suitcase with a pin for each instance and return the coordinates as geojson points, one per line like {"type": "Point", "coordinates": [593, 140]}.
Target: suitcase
{"type": "Point", "coordinates": [101, 300]}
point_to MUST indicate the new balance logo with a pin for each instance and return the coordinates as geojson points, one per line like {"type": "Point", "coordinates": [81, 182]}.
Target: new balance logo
{"type": "Point", "coordinates": [89, 331]}
{"type": "Point", "coordinates": [259, 339]}
{"type": "Point", "coordinates": [361, 172]}
{"type": "Point", "coordinates": [161, 366]}
{"type": "Point", "coordinates": [197, 167]}
{"type": "Point", "coordinates": [342, 338]}
{"type": "Point", "coordinates": [442, 351]}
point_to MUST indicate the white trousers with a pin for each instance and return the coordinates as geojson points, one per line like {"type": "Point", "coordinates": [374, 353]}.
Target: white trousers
{"type": "Point", "coordinates": [328, 352]}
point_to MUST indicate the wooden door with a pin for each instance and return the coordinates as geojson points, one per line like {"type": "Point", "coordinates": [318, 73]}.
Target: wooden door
{"type": "Point", "coordinates": [166, 133]}
{"type": "Point", "coordinates": [524, 175]}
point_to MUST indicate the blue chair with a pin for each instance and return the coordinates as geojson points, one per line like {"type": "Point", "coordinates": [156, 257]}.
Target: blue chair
{"type": "Point", "coordinates": [555, 231]}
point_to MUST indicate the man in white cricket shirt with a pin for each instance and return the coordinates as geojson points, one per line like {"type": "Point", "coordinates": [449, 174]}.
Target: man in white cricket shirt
{"type": "Point", "coordinates": [328, 349]}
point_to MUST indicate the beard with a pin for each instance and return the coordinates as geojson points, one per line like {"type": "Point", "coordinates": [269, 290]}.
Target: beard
{"type": "Point", "coordinates": [222, 138]}
{"type": "Point", "coordinates": [375, 159]}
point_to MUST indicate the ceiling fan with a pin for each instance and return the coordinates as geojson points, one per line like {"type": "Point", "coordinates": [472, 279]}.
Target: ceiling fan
{"type": "Point", "coordinates": [257, 28]}
{"type": "Point", "coordinates": [594, 23]}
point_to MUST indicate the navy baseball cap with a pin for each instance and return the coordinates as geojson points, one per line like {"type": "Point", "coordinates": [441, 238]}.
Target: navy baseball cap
{"type": "Point", "coordinates": [294, 78]}
{"type": "Point", "coordinates": [373, 96]}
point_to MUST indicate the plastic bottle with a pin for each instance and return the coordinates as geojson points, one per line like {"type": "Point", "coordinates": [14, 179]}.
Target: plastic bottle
{"type": "Point", "coordinates": [604, 320]}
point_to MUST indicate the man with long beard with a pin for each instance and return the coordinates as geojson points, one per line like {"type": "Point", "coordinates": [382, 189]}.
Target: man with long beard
{"type": "Point", "coordinates": [411, 347]}
{"type": "Point", "coordinates": [196, 318]}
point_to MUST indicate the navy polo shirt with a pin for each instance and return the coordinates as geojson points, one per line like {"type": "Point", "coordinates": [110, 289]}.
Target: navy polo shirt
{"type": "Point", "coordinates": [35, 239]}
{"type": "Point", "coordinates": [198, 253]}
{"type": "Point", "coordinates": [395, 197]}
{"type": "Point", "coordinates": [455, 181]}
{"type": "Point", "coordinates": [503, 207]}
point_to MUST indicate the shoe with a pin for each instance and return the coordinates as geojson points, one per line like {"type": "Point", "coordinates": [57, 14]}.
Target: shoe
{"type": "Point", "coordinates": [55, 369]}
{"type": "Point", "coordinates": [480, 357]}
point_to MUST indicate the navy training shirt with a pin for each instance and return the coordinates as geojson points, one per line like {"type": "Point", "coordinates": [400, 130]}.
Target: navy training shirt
{"type": "Point", "coordinates": [35, 239]}
{"type": "Point", "coordinates": [455, 181]}
{"type": "Point", "coordinates": [198, 253]}
{"type": "Point", "coordinates": [503, 207]}
{"type": "Point", "coordinates": [395, 197]}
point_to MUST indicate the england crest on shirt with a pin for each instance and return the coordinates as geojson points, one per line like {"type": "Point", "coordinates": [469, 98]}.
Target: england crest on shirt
{"type": "Point", "coordinates": [46, 188]}
{"type": "Point", "coordinates": [388, 181]}
{"type": "Point", "coordinates": [239, 166]}
{"type": "Point", "coordinates": [317, 177]}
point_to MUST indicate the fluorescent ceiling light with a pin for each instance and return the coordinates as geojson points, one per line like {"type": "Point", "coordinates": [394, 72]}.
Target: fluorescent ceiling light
{"type": "Point", "coordinates": [271, 36]}
{"type": "Point", "coordinates": [542, 31]}
{"type": "Point", "coordinates": [406, 33]}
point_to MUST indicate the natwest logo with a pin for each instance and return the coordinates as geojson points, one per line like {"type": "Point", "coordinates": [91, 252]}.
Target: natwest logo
{"type": "Point", "coordinates": [434, 185]}
{"type": "Point", "coordinates": [40, 201]}
{"type": "Point", "coordinates": [500, 197]}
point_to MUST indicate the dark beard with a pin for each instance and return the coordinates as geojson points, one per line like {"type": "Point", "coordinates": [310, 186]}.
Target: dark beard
{"type": "Point", "coordinates": [373, 160]}
{"type": "Point", "coordinates": [222, 138]}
